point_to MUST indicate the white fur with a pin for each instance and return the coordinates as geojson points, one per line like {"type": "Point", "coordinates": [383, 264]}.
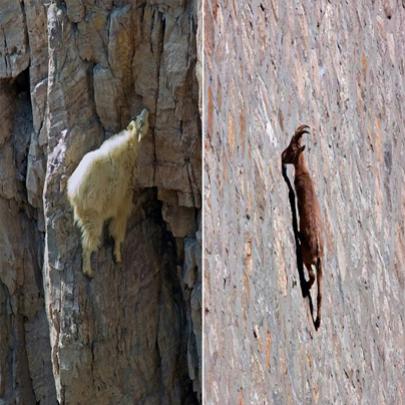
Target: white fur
{"type": "Point", "coordinates": [101, 187]}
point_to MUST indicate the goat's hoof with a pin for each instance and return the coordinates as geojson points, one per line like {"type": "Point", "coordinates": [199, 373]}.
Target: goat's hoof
{"type": "Point", "coordinates": [317, 323]}
{"type": "Point", "coordinates": [118, 258]}
{"type": "Point", "coordinates": [88, 273]}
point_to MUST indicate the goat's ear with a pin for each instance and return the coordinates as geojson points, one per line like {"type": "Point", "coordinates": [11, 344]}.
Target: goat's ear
{"type": "Point", "coordinates": [302, 148]}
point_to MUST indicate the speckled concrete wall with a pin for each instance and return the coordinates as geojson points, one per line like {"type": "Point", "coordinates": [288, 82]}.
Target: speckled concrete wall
{"type": "Point", "coordinates": [339, 68]}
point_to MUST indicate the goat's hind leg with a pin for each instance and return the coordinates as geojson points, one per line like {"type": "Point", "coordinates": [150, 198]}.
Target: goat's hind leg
{"type": "Point", "coordinates": [92, 228]}
{"type": "Point", "coordinates": [86, 267]}
{"type": "Point", "coordinates": [319, 276]}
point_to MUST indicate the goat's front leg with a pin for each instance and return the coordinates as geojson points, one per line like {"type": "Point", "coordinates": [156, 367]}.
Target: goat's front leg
{"type": "Point", "coordinates": [118, 226]}
{"type": "Point", "coordinates": [319, 299]}
{"type": "Point", "coordinates": [311, 274]}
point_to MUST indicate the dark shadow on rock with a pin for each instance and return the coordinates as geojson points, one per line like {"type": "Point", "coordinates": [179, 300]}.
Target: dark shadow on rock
{"type": "Point", "coordinates": [300, 264]}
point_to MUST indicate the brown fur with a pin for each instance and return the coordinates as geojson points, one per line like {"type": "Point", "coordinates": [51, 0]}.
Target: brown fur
{"type": "Point", "coordinates": [309, 212]}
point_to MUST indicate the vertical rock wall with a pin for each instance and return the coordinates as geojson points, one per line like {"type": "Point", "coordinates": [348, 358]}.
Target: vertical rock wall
{"type": "Point", "coordinates": [338, 67]}
{"type": "Point", "coordinates": [72, 74]}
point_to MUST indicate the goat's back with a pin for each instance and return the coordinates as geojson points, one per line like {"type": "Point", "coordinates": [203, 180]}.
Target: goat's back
{"type": "Point", "coordinates": [101, 180]}
{"type": "Point", "coordinates": [310, 217]}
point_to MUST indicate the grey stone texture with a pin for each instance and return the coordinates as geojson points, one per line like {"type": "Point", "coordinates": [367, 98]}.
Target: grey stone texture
{"type": "Point", "coordinates": [338, 67]}
{"type": "Point", "coordinates": [72, 74]}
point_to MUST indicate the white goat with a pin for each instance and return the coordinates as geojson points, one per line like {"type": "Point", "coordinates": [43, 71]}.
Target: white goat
{"type": "Point", "coordinates": [101, 188]}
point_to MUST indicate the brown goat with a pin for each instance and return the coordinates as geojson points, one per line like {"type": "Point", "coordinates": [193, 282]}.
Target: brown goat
{"type": "Point", "coordinates": [310, 233]}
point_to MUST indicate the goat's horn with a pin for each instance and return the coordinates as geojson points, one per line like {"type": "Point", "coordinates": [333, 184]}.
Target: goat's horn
{"type": "Point", "coordinates": [302, 129]}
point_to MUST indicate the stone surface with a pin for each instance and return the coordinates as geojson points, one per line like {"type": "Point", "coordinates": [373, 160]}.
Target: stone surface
{"type": "Point", "coordinates": [71, 75]}
{"type": "Point", "coordinates": [25, 363]}
{"type": "Point", "coordinates": [14, 52]}
{"type": "Point", "coordinates": [270, 66]}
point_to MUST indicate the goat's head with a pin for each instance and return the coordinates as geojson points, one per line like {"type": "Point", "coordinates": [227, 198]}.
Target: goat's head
{"type": "Point", "coordinates": [291, 153]}
{"type": "Point", "coordinates": [140, 125]}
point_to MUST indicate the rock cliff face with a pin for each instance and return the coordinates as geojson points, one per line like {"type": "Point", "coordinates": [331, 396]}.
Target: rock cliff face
{"type": "Point", "coordinates": [339, 68]}
{"type": "Point", "coordinates": [72, 73]}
